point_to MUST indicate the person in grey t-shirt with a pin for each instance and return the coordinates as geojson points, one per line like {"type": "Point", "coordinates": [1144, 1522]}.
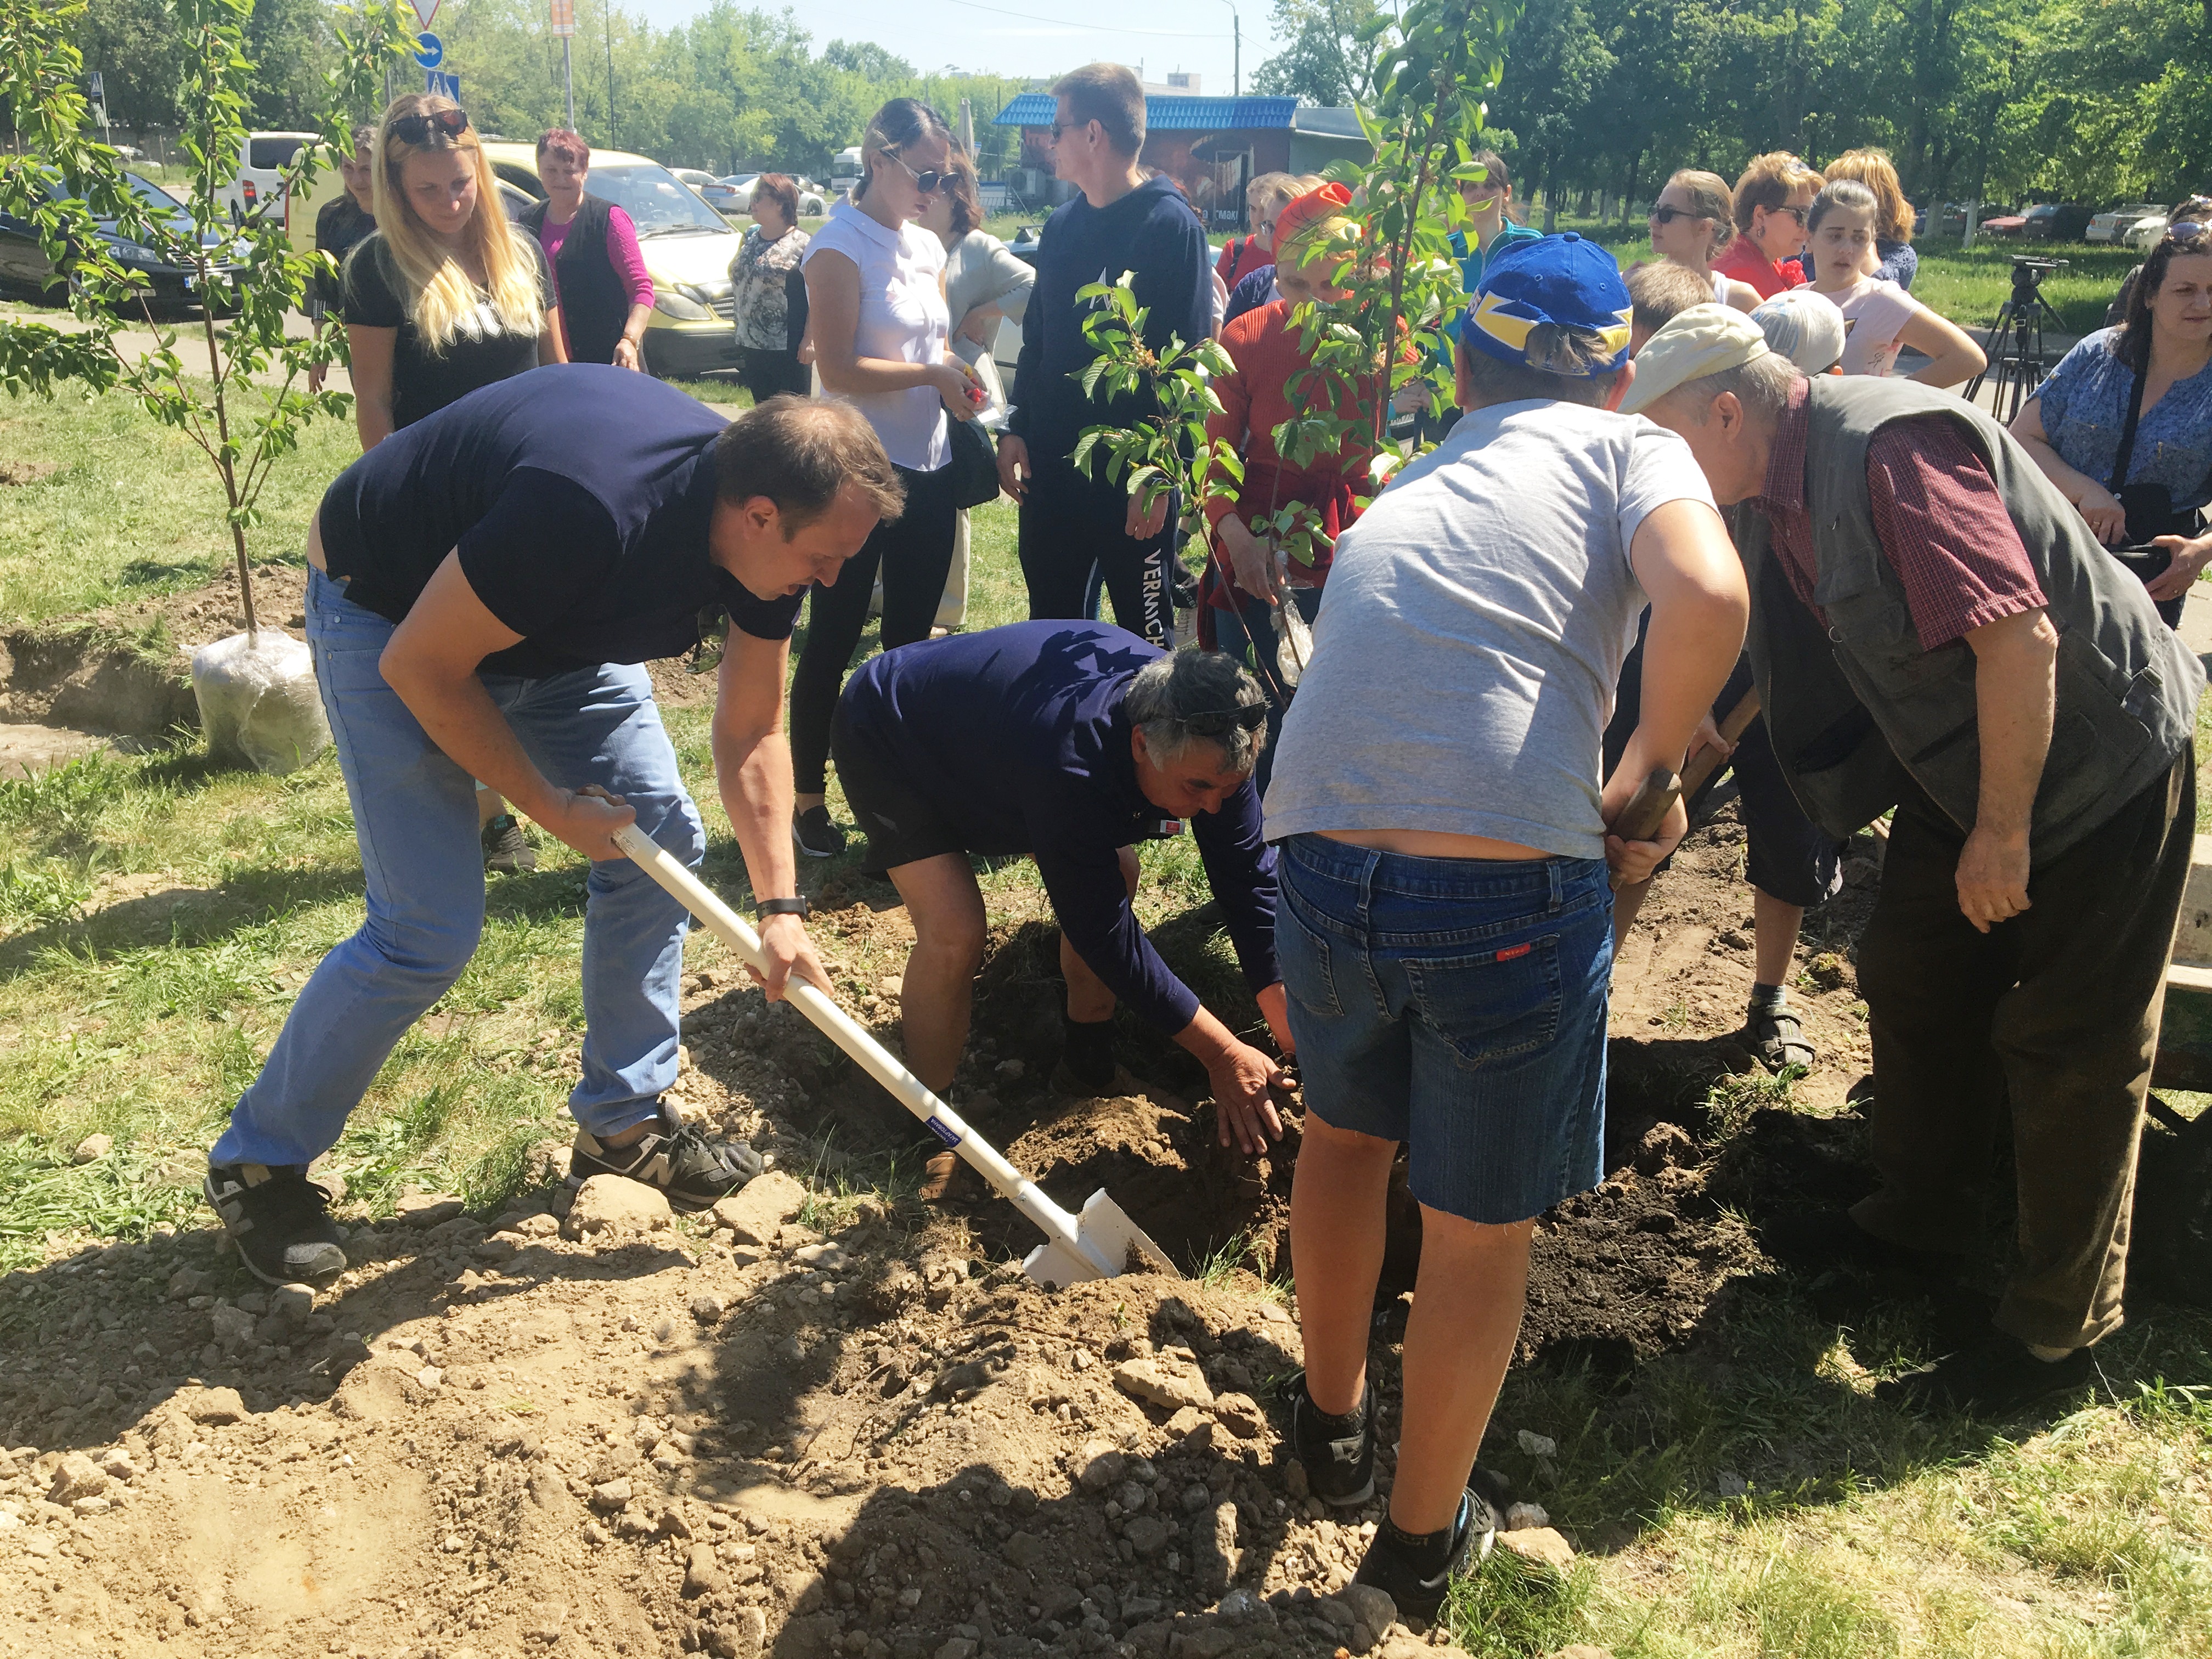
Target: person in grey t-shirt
{"type": "Point", "coordinates": [1444, 925]}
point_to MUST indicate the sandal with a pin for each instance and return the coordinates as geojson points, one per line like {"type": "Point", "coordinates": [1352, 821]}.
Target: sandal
{"type": "Point", "coordinates": [1778, 1039]}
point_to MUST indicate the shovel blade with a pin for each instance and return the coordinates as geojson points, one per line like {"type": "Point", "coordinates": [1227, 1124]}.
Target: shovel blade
{"type": "Point", "coordinates": [1112, 1244]}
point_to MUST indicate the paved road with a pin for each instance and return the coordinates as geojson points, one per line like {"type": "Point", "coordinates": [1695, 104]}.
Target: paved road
{"type": "Point", "coordinates": [192, 340]}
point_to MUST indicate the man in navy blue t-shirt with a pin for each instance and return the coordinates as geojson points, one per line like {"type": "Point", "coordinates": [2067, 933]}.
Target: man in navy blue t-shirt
{"type": "Point", "coordinates": [1066, 742]}
{"type": "Point", "coordinates": [487, 585]}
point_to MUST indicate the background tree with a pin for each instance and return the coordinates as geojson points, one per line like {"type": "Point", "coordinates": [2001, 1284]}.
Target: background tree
{"type": "Point", "coordinates": [1326, 62]}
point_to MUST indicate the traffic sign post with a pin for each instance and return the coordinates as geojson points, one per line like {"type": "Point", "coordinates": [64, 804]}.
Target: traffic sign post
{"type": "Point", "coordinates": [563, 13]}
{"type": "Point", "coordinates": [430, 51]}
{"type": "Point", "coordinates": [425, 11]}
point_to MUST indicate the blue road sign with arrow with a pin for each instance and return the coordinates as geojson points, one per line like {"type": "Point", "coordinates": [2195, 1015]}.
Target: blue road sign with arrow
{"type": "Point", "coordinates": [430, 51]}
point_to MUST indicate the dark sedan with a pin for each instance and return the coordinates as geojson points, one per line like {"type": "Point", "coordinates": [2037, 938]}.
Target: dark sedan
{"type": "Point", "coordinates": [24, 264]}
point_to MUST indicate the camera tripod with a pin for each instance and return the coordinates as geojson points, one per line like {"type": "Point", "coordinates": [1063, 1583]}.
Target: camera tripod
{"type": "Point", "coordinates": [2015, 341]}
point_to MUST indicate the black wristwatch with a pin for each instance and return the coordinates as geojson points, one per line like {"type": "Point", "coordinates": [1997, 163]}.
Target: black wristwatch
{"type": "Point", "coordinates": [784, 906]}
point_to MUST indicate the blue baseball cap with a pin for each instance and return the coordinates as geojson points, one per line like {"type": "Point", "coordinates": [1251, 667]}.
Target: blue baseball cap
{"type": "Point", "coordinates": [1538, 290]}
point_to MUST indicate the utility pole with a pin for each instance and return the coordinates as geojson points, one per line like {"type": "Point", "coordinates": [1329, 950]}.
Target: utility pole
{"type": "Point", "coordinates": [564, 26]}
{"type": "Point", "coordinates": [1237, 30]}
{"type": "Point", "coordinates": [607, 18]}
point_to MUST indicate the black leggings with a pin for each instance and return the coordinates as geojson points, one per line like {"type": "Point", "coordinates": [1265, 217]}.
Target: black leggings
{"type": "Point", "coordinates": [915, 554]}
{"type": "Point", "coordinates": [764, 374]}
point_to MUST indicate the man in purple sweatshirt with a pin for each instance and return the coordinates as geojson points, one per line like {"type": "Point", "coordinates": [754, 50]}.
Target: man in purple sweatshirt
{"type": "Point", "coordinates": [1123, 222]}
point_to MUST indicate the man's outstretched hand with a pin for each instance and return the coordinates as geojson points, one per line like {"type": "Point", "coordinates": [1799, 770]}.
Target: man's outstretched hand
{"type": "Point", "coordinates": [1244, 1082]}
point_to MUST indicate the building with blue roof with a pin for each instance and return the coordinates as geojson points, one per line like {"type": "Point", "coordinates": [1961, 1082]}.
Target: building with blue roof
{"type": "Point", "coordinates": [1210, 147]}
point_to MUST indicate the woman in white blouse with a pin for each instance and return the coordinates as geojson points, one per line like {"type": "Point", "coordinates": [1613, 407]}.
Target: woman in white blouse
{"type": "Point", "coordinates": [875, 294]}
{"type": "Point", "coordinates": [984, 284]}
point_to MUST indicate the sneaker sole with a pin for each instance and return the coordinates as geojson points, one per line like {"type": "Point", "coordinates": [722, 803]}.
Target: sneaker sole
{"type": "Point", "coordinates": [807, 852]}
{"type": "Point", "coordinates": [1364, 1495]}
{"type": "Point", "coordinates": [686, 1203]}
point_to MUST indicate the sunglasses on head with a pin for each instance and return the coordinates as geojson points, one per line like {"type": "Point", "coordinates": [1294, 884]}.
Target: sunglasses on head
{"type": "Point", "coordinates": [1666, 216]}
{"type": "Point", "coordinates": [418, 129]}
{"type": "Point", "coordinates": [1220, 722]}
{"type": "Point", "coordinates": [2184, 231]}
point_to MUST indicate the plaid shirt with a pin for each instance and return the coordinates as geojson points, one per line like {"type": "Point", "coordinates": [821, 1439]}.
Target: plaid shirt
{"type": "Point", "coordinates": [1936, 513]}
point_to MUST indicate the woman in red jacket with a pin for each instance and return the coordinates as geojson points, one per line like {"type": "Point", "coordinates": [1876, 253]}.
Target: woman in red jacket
{"type": "Point", "coordinates": [1247, 577]}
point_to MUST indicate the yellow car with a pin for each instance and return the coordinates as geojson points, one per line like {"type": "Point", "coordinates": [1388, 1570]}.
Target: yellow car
{"type": "Point", "coordinates": [687, 248]}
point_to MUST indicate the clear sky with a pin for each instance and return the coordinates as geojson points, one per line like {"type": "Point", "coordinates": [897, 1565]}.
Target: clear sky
{"type": "Point", "coordinates": [1032, 37]}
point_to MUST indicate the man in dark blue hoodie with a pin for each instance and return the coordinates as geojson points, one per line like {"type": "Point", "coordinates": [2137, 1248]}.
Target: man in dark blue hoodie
{"type": "Point", "coordinates": [1122, 222]}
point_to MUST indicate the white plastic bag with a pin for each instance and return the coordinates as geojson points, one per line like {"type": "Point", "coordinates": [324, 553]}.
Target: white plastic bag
{"type": "Point", "coordinates": [1294, 637]}
{"type": "Point", "coordinates": [259, 703]}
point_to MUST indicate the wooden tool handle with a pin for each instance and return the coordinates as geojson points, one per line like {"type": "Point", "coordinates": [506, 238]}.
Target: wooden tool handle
{"type": "Point", "coordinates": [1648, 807]}
{"type": "Point", "coordinates": [1706, 762]}
{"type": "Point", "coordinates": [1646, 811]}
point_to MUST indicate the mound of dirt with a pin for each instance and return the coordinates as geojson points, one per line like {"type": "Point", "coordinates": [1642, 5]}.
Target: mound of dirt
{"type": "Point", "coordinates": [539, 1433]}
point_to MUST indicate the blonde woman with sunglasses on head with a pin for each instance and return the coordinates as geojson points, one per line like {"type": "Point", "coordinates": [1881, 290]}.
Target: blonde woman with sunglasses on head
{"type": "Point", "coordinates": [445, 297]}
{"type": "Point", "coordinates": [442, 298]}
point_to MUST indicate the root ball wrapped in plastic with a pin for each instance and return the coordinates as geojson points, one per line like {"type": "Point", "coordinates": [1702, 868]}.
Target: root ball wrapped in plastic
{"type": "Point", "coordinates": [260, 705]}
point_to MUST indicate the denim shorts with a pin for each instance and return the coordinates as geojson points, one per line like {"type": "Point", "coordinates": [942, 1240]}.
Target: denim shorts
{"type": "Point", "coordinates": [1459, 1006]}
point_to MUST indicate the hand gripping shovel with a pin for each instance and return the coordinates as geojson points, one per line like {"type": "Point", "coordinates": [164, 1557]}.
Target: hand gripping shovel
{"type": "Point", "coordinates": [1099, 1243]}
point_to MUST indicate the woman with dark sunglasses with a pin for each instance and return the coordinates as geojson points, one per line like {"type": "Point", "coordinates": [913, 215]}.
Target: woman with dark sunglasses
{"type": "Point", "coordinates": [1692, 221]}
{"type": "Point", "coordinates": [877, 310]}
{"type": "Point", "coordinates": [2124, 425]}
{"type": "Point", "coordinates": [1772, 199]}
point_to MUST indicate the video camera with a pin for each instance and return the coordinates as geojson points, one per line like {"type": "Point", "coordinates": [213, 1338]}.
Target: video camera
{"type": "Point", "coordinates": [2028, 272]}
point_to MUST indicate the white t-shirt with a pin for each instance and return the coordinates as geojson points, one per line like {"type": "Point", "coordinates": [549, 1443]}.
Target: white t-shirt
{"type": "Point", "coordinates": [1473, 630]}
{"type": "Point", "coordinates": [1875, 311]}
{"type": "Point", "coordinates": [903, 318]}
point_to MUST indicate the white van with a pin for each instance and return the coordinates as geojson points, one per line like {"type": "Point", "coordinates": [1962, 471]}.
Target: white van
{"type": "Point", "coordinates": [845, 170]}
{"type": "Point", "coordinates": [258, 187]}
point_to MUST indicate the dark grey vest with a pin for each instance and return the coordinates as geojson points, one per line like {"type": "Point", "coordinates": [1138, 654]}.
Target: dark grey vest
{"type": "Point", "coordinates": [1857, 707]}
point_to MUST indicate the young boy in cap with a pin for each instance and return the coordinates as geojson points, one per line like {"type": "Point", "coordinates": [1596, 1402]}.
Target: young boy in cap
{"type": "Point", "coordinates": [1444, 930]}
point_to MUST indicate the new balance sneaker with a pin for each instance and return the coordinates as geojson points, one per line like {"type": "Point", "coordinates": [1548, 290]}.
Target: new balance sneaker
{"type": "Point", "coordinates": [1416, 1571]}
{"type": "Point", "coordinates": [506, 849]}
{"type": "Point", "coordinates": [280, 1219]}
{"type": "Point", "coordinates": [1338, 1452]}
{"type": "Point", "coordinates": [675, 1157]}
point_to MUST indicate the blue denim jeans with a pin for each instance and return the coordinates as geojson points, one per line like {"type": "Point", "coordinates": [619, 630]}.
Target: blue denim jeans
{"type": "Point", "coordinates": [415, 814]}
{"type": "Point", "coordinates": [1459, 1006]}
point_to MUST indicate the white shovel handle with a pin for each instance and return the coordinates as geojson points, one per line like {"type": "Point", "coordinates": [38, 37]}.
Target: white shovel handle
{"type": "Point", "coordinates": [849, 1034]}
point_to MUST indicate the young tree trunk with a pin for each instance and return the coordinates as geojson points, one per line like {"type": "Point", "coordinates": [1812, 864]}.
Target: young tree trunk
{"type": "Point", "coordinates": [226, 465]}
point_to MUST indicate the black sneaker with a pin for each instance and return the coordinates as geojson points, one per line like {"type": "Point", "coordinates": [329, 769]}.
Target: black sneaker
{"type": "Point", "coordinates": [1993, 1379]}
{"type": "Point", "coordinates": [280, 1219]}
{"type": "Point", "coordinates": [1416, 1585]}
{"type": "Point", "coordinates": [677, 1157]}
{"type": "Point", "coordinates": [506, 849]}
{"type": "Point", "coordinates": [1818, 1241]}
{"type": "Point", "coordinates": [814, 835]}
{"type": "Point", "coordinates": [1086, 1066]}
{"type": "Point", "coordinates": [1338, 1452]}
